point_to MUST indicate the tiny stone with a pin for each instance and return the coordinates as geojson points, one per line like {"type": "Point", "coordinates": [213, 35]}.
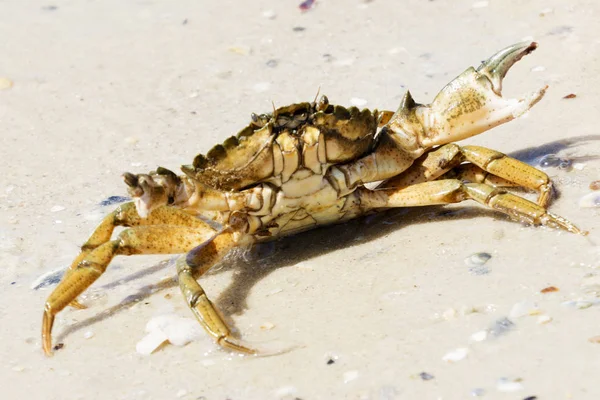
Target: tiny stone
{"type": "Point", "coordinates": [595, 185]}
{"type": "Point", "coordinates": [349, 376]}
{"type": "Point", "coordinates": [570, 96]}
{"type": "Point", "coordinates": [57, 208]}
{"type": "Point", "coordinates": [58, 346]}
{"type": "Point", "coordinates": [501, 326]}
{"type": "Point", "coordinates": [539, 68]}
{"type": "Point", "coordinates": [476, 263]}
{"type": "Point", "coordinates": [131, 140]}
{"type": "Point", "coordinates": [88, 335]}
{"type": "Point", "coordinates": [272, 63]}
{"type": "Point", "coordinates": [530, 398]}
{"type": "Point", "coordinates": [477, 392]}
{"type": "Point", "coordinates": [425, 376]}
{"type": "Point", "coordinates": [298, 29]}
{"type": "Point", "coordinates": [330, 361]}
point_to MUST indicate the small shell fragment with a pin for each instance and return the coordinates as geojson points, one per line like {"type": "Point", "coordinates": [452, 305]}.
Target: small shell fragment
{"type": "Point", "coordinates": [150, 342]}
{"type": "Point", "coordinates": [543, 319]}
{"type": "Point", "coordinates": [595, 185]}
{"type": "Point", "coordinates": [57, 208]}
{"type": "Point", "coordinates": [549, 289]}
{"type": "Point", "coordinates": [479, 336]}
{"type": "Point", "coordinates": [523, 308]}
{"type": "Point", "coordinates": [594, 339]}
{"type": "Point", "coordinates": [590, 200]}
{"type": "Point", "coordinates": [456, 355]}
{"type": "Point", "coordinates": [349, 376]}
{"type": "Point", "coordinates": [508, 385]}
{"type": "Point", "coordinates": [570, 96]}
{"type": "Point", "coordinates": [539, 68]}
{"type": "Point", "coordinates": [267, 326]}
{"type": "Point", "coordinates": [88, 335]}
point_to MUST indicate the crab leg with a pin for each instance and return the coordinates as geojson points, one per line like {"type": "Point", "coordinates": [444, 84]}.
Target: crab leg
{"type": "Point", "coordinates": [191, 266]}
{"type": "Point", "coordinates": [454, 191]}
{"type": "Point", "coordinates": [487, 166]}
{"type": "Point", "coordinates": [157, 239]}
{"type": "Point", "coordinates": [126, 215]}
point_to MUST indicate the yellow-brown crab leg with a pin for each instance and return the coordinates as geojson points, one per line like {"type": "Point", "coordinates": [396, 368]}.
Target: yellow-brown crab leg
{"type": "Point", "coordinates": [454, 191]}
{"type": "Point", "coordinates": [487, 166]}
{"type": "Point", "coordinates": [126, 215]}
{"type": "Point", "coordinates": [156, 239]}
{"type": "Point", "coordinates": [192, 266]}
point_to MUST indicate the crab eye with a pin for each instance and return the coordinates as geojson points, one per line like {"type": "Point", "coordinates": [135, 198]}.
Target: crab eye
{"type": "Point", "coordinates": [323, 103]}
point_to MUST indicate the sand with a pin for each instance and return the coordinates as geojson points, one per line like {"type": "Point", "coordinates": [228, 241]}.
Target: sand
{"type": "Point", "coordinates": [89, 90]}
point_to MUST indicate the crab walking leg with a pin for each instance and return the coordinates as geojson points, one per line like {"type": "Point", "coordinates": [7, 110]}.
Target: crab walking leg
{"type": "Point", "coordinates": [127, 215]}
{"type": "Point", "coordinates": [454, 191]}
{"type": "Point", "coordinates": [159, 239]}
{"type": "Point", "coordinates": [495, 168]}
{"type": "Point", "coordinates": [192, 266]}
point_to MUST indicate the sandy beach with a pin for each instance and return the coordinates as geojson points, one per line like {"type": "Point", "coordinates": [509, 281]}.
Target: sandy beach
{"type": "Point", "coordinates": [437, 303]}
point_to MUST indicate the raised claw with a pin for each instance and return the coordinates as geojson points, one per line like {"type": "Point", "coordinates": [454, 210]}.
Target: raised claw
{"type": "Point", "coordinates": [154, 190]}
{"type": "Point", "coordinates": [471, 104]}
{"type": "Point", "coordinates": [496, 67]}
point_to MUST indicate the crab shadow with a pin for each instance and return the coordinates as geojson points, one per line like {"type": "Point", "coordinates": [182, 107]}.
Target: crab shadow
{"type": "Point", "coordinates": [263, 259]}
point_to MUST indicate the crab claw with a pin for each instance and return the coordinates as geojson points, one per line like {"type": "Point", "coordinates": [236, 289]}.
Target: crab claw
{"type": "Point", "coordinates": [471, 104]}
{"type": "Point", "coordinates": [150, 191]}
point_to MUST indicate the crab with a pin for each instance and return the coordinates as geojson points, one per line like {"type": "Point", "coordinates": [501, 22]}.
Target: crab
{"type": "Point", "coordinates": [311, 164]}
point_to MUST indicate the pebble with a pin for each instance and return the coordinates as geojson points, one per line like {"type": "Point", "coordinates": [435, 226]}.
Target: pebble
{"type": "Point", "coordinates": [57, 209]}
{"type": "Point", "coordinates": [507, 385]}
{"type": "Point", "coordinates": [88, 335]}
{"type": "Point", "coordinates": [48, 279]}
{"type": "Point", "coordinates": [272, 63]}
{"type": "Point", "coordinates": [501, 326]}
{"type": "Point", "coordinates": [456, 355]}
{"type": "Point", "coordinates": [477, 392]}
{"type": "Point", "coordinates": [590, 200]}
{"type": "Point", "coordinates": [168, 327]}
{"type": "Point", "coordinates": [595, 185]}
{"type": "Point", "coordinates": [425, 376]}
{"type": "Point", "coordinates": [109, 201]}
{"type": "Point", "coordinates": [349, 376]}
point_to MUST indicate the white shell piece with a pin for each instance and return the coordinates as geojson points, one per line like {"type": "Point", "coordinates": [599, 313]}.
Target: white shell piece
{"type": "Point", "coordinates": [456, 355]}
{"type": "Point", "coordinates": [150, 342]}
